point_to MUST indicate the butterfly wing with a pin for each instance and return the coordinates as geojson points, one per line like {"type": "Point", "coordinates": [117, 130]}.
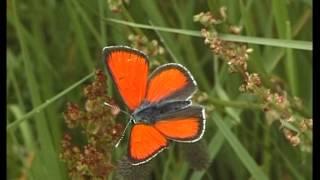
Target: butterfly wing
{"type": "Point", "coordinates": [173, 83]}
{"type": "Point", "coordinates": [145, 142]}
{"type": "Point", "coordinates": [186, 125]}
{"type": "Point", "coordinates": [129, 71]}
{"type": "Point", "coordinates": [170, 82]}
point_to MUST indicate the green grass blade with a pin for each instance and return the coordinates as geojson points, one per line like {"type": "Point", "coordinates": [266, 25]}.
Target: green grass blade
{"type": "Point", "coordinates": [238, 148]}
{"type": "Point", "coordinates": [25, 129]}
{"type": "Point", "coordinates": [294, 44]}
{"type": "Point", "coordinates": [88, 22]}
{"type": "Point", "coordinates": [103, 32]}
{"type": "Point", "coordinates": [290, 65]}
{"type": "Point", "coordinates": [214, 146]}
{"type": "Point", "coordinates": [274, 56]}
{"type": "Point", "coordinates": [255, 64]}
{"type": "Point", "coordinates": [80, 38]}
{"type": "Point", "coordinates": [51, 159]}
{"type": "Point", "coordinates": [48, 102]}
{"type": "Point", "coordinates": [280, 13]}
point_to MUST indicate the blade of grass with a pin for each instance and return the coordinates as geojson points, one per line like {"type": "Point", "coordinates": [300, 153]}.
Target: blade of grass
{"type": "Point", "coordinates": [214, 147]}
{"type": "Point", "coordinates": [305, 17]}
{"type": "Point", "coordinates": [280, 14]}
{"type": "Point", "coordinates": [221, 93]}
{"type": "Point", "coordinates": [232, 9]}
{"type": "Point", "coordinates": [294, 171]}
{"type": "Point", "coordinates": [234, 113]}
{"type": "Point", "coordinates": [309, 2]}
{"type": "Point", "coordinates": [48, 102]}
{"type": "Point", "coordinates": [38, 170]}
{"type": "Point", "coordinates": [274, 56]}
{"type": "Point", "coordinates": [250, 29]}
{"type": "Point", "coordinates": [168, 162]}
{"type": "Point", "coordinates": [187, 47]}
{"type": "Point", "coordinates": [41, 56]}
{"type": "Point", "coordinates": [241, 152]}
{"type": "Point", "coordinates": [89, 23]}
{"type": "Point", "coordinates": [219, 138]}
{"type": "Point", "coordinates": [154, 15]}
{"type": "Point", "coordinates": [24, 128]}
{"type": "Point", "coordinates": [174, 58]}
{"type": "Point", "coordinates": [103, 32]}
{"type": "Point", "coordinates": [294, 44]}
{"type": "Point", "coordinates": [290, 65]}
{"type": "Point", "coordinates": [261, 9]}
{"type": "Point", "coordinates": [78, 30]}
{"type": "Point", "coordinates": [30, 39]}
{"type": "Point", "coordinates": [51, 158]}
{"type": "Point", "coordinates": [289, 126]}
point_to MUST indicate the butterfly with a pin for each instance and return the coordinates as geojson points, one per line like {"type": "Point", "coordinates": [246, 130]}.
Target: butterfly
{"type": "Point", "coordinates": [159, 103]}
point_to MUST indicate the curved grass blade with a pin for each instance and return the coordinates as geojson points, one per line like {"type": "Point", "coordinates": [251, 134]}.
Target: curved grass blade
{"type": "Point", "coordinates": [14, 124]}
{"type": "Point", "coordinates": [238, 148]}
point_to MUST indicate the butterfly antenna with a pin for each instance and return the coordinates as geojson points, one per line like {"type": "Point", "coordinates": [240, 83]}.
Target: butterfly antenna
{"type": "Point", "coordinates": [116, 108]}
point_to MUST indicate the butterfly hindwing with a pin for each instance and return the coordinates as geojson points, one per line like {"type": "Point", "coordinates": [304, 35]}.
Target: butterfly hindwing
{"type": "Point", "coordinates": [170, 82]}
{"type": "Point", "coordinates": [186, 125]}
{"type": "Point", "coordinates": [129, 71]}
{"type": "Point", "coordinates": [144, 143]}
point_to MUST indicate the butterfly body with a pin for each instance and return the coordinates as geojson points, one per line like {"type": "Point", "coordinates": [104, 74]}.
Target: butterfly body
{"type": "Point", "coordinates": [151, 113]}
{"type": "Point", "coordinates": [160, 105]}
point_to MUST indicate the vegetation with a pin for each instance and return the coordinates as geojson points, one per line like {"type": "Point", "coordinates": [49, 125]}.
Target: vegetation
{"type": "Point", "coordinates": [251, 59]}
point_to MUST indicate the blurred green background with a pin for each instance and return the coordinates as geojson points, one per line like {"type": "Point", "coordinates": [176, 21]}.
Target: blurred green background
{"type": "Point", "coordinates": [52, 45]}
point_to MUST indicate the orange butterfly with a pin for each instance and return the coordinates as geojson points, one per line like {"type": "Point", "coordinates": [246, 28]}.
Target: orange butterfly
{"type": "Point", "coordinates": [160, 105]}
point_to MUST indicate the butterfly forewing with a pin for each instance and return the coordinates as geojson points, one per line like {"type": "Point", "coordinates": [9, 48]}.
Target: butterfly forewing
{"type": "Point", "coordinates": [129, 71]}
{"type": "Point", "coordinates": [170, 82]}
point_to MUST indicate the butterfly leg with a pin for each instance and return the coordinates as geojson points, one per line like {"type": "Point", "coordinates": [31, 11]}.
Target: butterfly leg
{"type": "Point", "coordinates": [123, 133]}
